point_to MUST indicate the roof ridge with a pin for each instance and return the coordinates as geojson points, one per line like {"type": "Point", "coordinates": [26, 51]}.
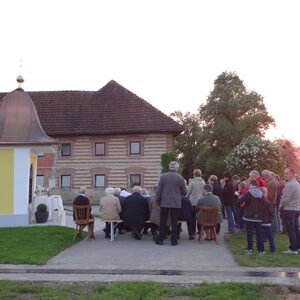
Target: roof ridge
{"type": "Point", "coordinates": [110, 110]}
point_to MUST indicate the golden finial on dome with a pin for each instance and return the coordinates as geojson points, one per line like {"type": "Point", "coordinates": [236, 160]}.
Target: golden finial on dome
{"type": "Point", "coordinates": [20, 78]}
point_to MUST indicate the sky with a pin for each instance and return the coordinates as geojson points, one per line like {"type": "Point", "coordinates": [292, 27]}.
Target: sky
{"type": "Point", "coordinates": [167, 52]}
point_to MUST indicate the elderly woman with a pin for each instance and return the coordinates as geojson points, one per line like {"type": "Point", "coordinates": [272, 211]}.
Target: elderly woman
{"type": "Point", "coordinates": [195, 192]}
{"type": "Point", "coordinates": [109, 209]}
{"type": "Point", "coordinates": [136, 212]}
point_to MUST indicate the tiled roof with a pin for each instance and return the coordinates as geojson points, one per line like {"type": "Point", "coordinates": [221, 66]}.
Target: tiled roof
{"type": "Point", "coordinates": [111, 110]}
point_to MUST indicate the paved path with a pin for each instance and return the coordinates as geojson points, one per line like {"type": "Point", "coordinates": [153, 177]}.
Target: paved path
{"type": "Point", "coordinates": [127, 259]}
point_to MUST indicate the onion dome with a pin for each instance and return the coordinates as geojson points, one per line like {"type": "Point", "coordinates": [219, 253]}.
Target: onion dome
{"type": "Point", "coordinates": [19, 121]}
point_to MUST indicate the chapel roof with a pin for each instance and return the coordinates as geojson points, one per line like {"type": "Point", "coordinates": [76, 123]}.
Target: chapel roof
{"type": "Point", "coordinates": [19, 121]}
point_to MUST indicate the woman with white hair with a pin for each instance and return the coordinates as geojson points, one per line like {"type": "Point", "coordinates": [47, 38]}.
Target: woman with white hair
{"type": "Point", "coordinates": [109, 209]}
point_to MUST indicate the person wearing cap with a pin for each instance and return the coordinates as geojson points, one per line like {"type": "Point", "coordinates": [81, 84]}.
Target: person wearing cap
{"type": "Point", "coordinates": [209, 199]}
{"type": "Point", "coordinates": [82, 199]}
{"type": "Point", "coordinates": [170, 189]}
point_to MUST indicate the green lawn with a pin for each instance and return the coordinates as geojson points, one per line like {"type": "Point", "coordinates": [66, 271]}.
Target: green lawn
{"type": "Point", "coordinates": [237, 243]}
{"type": "Point", "coordinates": [33, 245]}
{"type": "Point", "coordinates": [143, 290]}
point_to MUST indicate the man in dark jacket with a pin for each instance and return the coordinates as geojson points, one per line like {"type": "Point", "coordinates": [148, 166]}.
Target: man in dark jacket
{"type": "Point", "coordinates": [186, 214]}
{"type": "Point", "coordinates": [228, 197]}
{"type": "Point", "coordinates": [82, 199]}
{"type": "Point", "coordinates": [253, 212]}
{"type": "Point", "coordinates": [217, 190]}
{"type": "Point", "coordinates": [170, 189]}
{"type": "Point", "coordinates": [136, 212]}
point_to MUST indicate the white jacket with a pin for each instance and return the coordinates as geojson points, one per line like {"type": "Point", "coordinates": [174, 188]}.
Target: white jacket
{"type": "Point", "coordinates": [195, 189]}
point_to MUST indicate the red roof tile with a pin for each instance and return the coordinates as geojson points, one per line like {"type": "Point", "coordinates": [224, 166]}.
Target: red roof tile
{"type": "Point", "coordinates": [111, 110]}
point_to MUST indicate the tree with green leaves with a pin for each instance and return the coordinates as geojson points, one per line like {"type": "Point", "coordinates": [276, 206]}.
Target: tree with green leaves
{"type": "Point", "coordinates": [188, 144]}
{"type": "Point", "coordinates": [230, 114]}
{"type": "Point", "coordinates": [166, 158]}
{"type": "Point", "coordinates": [254, 153]}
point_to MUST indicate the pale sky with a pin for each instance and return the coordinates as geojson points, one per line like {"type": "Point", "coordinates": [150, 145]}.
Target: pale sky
{"type": "Point", "coordinates": [167, 52]}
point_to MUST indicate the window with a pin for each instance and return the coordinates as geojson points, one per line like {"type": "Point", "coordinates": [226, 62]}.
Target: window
{"type": "Point", "coordinates": [65, 150]}
{"type": "Point", "coordinates": [65, 181]}
{"type": "Point", "coordinates": [100, 149]}
{"type": "Point", "coordinates": [39, 180]}
{"type": "Point", "coordinates": [135, 147]}
{"type": "Point", "coordinates": [99, 180]}
{"type": "Point", "coordinates": [135, 179]}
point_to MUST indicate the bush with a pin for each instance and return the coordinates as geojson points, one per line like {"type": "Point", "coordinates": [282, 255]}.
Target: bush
{"type": "Point", "coordinates": [254, 153]}
{"type": "Point", "coordinates": [41, 207]}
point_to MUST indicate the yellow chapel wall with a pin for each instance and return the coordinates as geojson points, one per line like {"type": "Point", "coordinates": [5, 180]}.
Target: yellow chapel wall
{"type": "Point", "coordinates": [6, 181]}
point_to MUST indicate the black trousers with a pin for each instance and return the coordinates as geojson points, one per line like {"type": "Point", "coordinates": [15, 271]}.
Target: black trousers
{"type": "Point", "coordinates": [194, 214]}
{"type": "Point", "coordinates": [174, 214]}
{"type": "Point", "coordinates": [190, 227]}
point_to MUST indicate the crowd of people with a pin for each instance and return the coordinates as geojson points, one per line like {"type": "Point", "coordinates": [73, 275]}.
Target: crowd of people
{"type": "Point", "coordinates": [262, 203]}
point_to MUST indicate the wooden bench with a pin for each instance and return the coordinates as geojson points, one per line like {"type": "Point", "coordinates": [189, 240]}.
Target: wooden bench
{"type": "Point", "coordinates": [117, 221]}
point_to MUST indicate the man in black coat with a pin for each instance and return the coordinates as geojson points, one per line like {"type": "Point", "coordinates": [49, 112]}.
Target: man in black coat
{"type": "Point", "coordinates": [82, 199]}
{"type": "Point", "coordinates": [228, 197]}
{"type": "Point", "coordinates": [135, 212]}
{"type": "Point", "coordinates": [186, 214]}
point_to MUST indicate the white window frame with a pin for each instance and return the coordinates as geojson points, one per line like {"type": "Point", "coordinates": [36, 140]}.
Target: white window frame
{"type": "Point", "coordinates": [95, 147]}
{"type": "Point", "coordinates": [62, 181]}
{"type": "Point", "coordinates": [132, 144]}
{"type": "Point", "coordinates": [95, 181]}
{"type": "Point", "coordinates": [43, 179]}
{"type": "Point", "coordinates": [129, 180]}
{"type": "Point", "coordinates": [61, 151]}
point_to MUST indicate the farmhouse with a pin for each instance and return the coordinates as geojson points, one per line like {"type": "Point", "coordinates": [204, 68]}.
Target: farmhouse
{"type": "Point", "coordinates": [109, 137]}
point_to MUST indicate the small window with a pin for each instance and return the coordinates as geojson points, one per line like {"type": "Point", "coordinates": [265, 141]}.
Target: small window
{"type": "Point", "coordinates": [135, 179]}
{"type": "Point", "coordinates": [65, 150]}
{"type": "Point", "coordinates": [65, 181]}
{"type": "Point", "coordinates": [135, 147]}
{"type": "Point", "coordinates": [39, 180]}
{"type": "Point", "coordinates": [99, 181]}
{"type": "Point", "coordinates": [100, 149]}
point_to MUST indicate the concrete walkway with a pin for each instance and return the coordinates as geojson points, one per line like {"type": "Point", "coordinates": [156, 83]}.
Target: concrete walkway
{"type": "Point", "coordinates": [126, 259]}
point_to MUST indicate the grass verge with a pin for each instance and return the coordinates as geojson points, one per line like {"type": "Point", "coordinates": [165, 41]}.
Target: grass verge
{"type": "Point", "coordinates": [143, 290]}
{"type": "Point", "coordinates": [237, 243]}
{"type": "Point", "coordinates": [33, 245]}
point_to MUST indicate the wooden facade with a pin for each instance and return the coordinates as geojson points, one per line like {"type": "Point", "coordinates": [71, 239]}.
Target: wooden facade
{"type": "Point", "coordinates": [117, 165]}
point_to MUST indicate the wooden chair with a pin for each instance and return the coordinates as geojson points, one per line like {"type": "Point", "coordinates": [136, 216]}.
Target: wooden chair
{"type": "Point", "coordinates": [81, 215]}
{"type": "Point", "coordinates": [208, 220]}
